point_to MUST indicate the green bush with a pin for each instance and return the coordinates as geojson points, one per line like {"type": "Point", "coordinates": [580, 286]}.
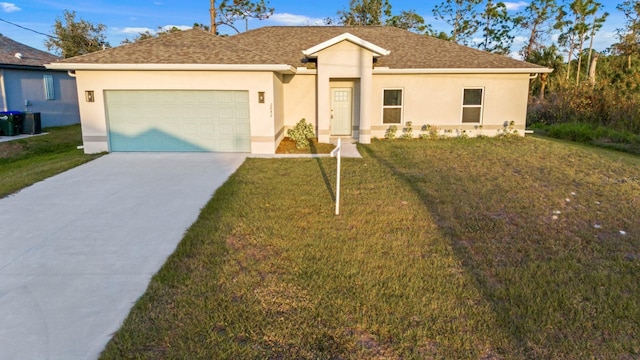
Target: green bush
{"type": "Point", "coordinates": [301, 133]}
{"type": "Point", "coordinates": [391, 132]}
{"type": "Point", "coordinates": [407, 132]}
{"type": "Point", "coordinates": [587, 133]}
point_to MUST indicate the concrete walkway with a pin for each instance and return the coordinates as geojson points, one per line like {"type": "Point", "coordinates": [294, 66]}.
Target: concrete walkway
{"type": "Point", "coordinates": [18, 137]}
{"type": "Point", "coordinates": [78, 249]}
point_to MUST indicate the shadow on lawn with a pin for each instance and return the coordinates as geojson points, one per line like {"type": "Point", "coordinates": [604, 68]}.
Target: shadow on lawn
{"type": "Point", "coordinates": [325, 177]}
{"type": "Point", "coordinates": [510, 325]}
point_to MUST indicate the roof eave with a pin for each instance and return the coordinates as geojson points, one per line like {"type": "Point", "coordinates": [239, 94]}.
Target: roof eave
{"type": "Point", "coordinates": [279, 68]}
{"type": "Point", "coordinates": [382, 70]}
{"type": "Point", "coordinates": [375, 49]}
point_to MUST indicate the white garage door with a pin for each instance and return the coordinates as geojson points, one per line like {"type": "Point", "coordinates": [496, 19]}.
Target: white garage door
{"type": "Point", "coordinates": [178, 120]}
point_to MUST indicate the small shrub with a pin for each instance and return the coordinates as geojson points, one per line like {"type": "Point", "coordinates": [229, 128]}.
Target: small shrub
{"type": "Point", "coordinates": [391, 132]}
{"type": "Point", "coordinates": [508, 129]}
{"type": "Point", "coordinates": [407, 132]}
{"type": "Point", "coordinates": [301, 133]}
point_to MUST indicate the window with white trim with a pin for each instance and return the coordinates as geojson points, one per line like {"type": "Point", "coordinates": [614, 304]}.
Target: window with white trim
{"type": "Point", "coordinates": [49, 93]}
{"type": "Point", "coordinates": [392, 106]}
{"type": "Point", "coordinates": [472, 100]}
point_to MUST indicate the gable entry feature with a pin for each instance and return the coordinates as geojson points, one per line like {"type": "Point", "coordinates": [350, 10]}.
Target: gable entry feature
{"type": "Point", "coordinates": [344, 57]}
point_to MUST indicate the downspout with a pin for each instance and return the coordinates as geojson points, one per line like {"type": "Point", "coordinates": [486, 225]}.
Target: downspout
{"type": "Point", "coordinates": [3, 90]}
{"type": "Point", "coordinates": [71, 73]}
{"type": "Point", "coordinates": [531, 77]}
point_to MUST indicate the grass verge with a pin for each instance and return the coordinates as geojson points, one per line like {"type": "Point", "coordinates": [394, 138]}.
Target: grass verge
{"type": "Point", "coordinates": [462, 248]}
{"type": "Point", "coordinates": [26, 161]}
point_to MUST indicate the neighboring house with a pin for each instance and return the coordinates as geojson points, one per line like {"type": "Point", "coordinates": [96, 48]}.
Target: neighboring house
{"type": "Point", "coordinates": [26, 85]}
{"type": "Point", "coordinates": [193, 91]}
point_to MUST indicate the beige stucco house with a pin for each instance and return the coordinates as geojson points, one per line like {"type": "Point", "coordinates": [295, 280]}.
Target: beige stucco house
{"type": "Point", "coordinates": [193, 91]}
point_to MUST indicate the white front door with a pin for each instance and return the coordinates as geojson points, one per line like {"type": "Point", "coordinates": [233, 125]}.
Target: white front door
{"type": "Point", "coordinates": [341, 111]}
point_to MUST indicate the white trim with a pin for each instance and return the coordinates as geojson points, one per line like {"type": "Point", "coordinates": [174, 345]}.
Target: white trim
{"type": "Point", "coordinates": [481, 106]}
{"type": "Point", "coordinates": [401, 106]}
{"type": "Point", "coordinates": [386, 70]}
{"type": "Point", "coordinates": [283, 68]}
{"type": "Point", "coordinates": [377, 50]}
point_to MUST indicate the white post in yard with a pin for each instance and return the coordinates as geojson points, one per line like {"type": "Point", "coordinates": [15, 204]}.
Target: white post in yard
{"type": "Point", "coordinates": [336, 153]}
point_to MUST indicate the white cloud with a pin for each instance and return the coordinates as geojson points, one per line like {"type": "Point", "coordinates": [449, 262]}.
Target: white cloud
{"type": "Point", "coordinates": [292, 19]}
{"type": "Point", "coordinates": [135, 30]}
{"type": "Point", "coordinates": [9, 7]}
{"type": "Point", "coordinates": [514, 6]}
{"type": "Point", "coordinates": [181, 27]}
{"type": "Point", "coordinates": [515, 55]}
{"type": "Point", "coordinates": [157, 3]}
{"type": "Point", "coordinates": [519, 40]}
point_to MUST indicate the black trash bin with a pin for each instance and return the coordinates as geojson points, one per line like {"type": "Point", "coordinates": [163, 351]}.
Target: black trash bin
{"type": "Point", "coordinates": [11, 122]}
{"type": "Point", "coordinates": [31, 123]}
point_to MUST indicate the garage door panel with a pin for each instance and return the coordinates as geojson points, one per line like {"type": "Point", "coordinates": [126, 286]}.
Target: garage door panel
{"type": "Point", "coordinates": [150, 120]}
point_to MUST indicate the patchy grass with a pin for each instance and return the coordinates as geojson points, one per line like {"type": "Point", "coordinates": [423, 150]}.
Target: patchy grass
{"type": "Point", "coordinates": [288, 146]}
{"type": "Point", "coordinates": [26, 161]}
{"type": "Point", "coordinates": [463, 248]}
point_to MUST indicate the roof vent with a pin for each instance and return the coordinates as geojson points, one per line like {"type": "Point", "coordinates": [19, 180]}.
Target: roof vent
{"type": "Point", "coordinates": [18, 55]}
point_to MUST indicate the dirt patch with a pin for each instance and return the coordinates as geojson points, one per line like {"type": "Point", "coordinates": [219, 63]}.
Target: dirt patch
{"type": "Point", "coordinates": [11, 149]}
{"type": "Point", "coordinates": [288, 146]}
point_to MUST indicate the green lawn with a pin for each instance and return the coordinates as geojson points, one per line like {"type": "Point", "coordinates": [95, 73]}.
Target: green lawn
{"type": "Point", "coordinates": [443, 249]}
{"type": "Point", "coordinates": [26, 161]}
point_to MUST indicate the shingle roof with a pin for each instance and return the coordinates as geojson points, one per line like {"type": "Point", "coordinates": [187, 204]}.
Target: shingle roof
{"type": "Point", "coordinates": [284, 45]}
{"type": "Point", "coordinates": [29, 56]}
{"type": "Point", "coordinates": [182, 47]}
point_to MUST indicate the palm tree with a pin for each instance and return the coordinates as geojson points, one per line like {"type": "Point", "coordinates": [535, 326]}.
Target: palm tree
{"type": "Point", "coordinates": [549, 57]}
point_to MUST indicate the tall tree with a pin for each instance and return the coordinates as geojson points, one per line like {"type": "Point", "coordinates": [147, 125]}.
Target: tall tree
{"type": "Point", "coordinates": [536, 20]}
{"type": "Point", "coordinates": [72, 38]}
{"type": "Point", "coordinates": [409, 20]}
{"type": "Point", "coordinates": [596, 25]}
{"type": "Point", "coordinates": [496, 28]}
{"type": "Point", "coordinates": [578, 29]}
{"type": "Point", "coordinates": [146, 35]}
{"type": "Point", "coordinates": [461, 15]}
{"type": "Point", "coordinates": [549, 57]}
{"type": "Point", "coordinates": [365, 13]}
{"type": "Point", "coordinates": [231, 11]}
{"type": "Point", "coordinates": [629, 36]}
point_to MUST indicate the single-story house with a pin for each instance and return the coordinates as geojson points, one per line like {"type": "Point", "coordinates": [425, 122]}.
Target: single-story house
{"type": "Point", "coordinates": [26, 85]}
{"type": "Point", "coordinates": [193, 91]}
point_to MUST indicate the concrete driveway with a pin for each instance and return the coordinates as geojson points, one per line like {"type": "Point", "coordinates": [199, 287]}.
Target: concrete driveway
{"type": "Point", "coordinates": [78, 249]}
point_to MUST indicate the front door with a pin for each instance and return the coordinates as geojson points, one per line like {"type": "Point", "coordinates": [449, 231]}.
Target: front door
{"type": "Point", "coordinates": [341, 111]}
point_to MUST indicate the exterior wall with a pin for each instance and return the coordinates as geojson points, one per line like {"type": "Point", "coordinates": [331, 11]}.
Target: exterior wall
{"type": "Point", "coordinates": [93, 114]}
{"type": "Point", "coordinates": [22, 85]}
{"type": "Point", "coordinates": [278, 110]}
{"type": "Point", "coordinates": [300, 100]}
{"type": "Point", "coordinates": [436, 100]}
{"type": "Point", "coordinates": [341, 61]}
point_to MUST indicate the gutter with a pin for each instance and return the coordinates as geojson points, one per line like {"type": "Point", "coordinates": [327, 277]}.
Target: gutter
{"type": "Point", "coordinates": [386, 70]}
{"type": "Point", "coordinates": [280, 68]}
{"type": "Point", "coordinates": [3, 89]}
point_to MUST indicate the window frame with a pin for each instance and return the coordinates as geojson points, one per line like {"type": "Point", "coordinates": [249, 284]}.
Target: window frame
{"type": "Point", "coordinates": [49, 89]}
{"type": "Point", "coordinates": [481, 106]}
{"type": "Point", "coordinates": [401, 106]}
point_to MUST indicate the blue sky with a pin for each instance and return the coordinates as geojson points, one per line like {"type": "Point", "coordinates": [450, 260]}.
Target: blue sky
{"type": "Point", "coordinates": [126, 18]}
